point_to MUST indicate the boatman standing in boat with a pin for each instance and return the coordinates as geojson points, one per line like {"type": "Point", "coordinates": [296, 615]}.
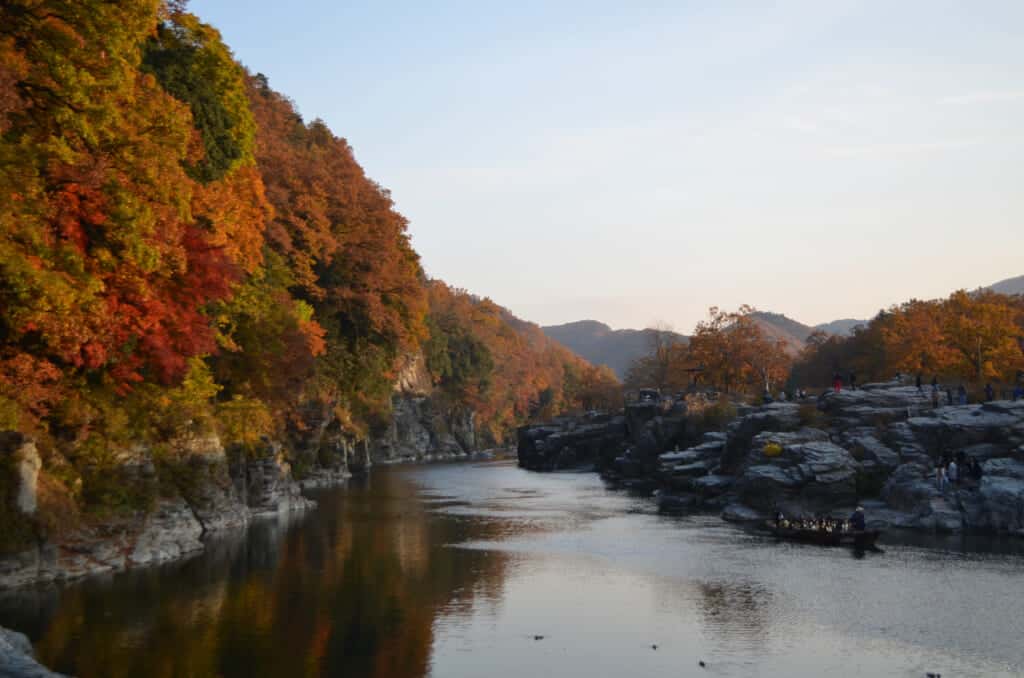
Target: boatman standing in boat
{"type": "Point", "coordinates": [857, 521]}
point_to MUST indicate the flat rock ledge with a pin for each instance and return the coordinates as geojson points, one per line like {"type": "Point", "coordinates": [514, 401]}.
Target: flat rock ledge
{"type": "Point", "coordinates": [877, 446]}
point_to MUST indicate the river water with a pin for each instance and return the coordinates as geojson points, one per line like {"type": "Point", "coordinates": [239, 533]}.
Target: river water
{"type": "Point", "coordinates": [487, 570]}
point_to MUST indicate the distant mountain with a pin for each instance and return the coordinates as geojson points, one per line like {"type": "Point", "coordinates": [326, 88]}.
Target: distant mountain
{"type": "Point", "coordinates": [601, 345]}
{"type": "Point", "coordinates": [794, 334]}
{"type": "Point", "coordinates": [1009, 286]}
{"type": "Point", "coordinates": [843, 327]}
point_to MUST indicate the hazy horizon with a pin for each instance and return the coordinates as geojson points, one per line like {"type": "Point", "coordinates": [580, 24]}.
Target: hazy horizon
{"type": "Point", "coordinates": [633, 166]}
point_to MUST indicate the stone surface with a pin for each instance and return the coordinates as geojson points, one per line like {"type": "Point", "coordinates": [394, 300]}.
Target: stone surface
{"type": "Point", "coordinates": [25, 463]}
{"type": "Point", "coordinates": [911, 489]}
{"type": "Point", "coordinates": [810, 475]}
{"type": "Point", "coordinates": [170, 532]}
{"type": "Point", "coordinates": [565, 444]}
{"type": "Point", "coordinates": [739, 513]}
{"type": "Point", "coordinates": [204, 480]}
{"type": "Point", "coordinates": [420, 427]}
{"type": "Point", "coordinates": [1009, 468]}
{"type": "Point", "coordinates": [17, 658]}
{"type": "Point", "coordinates": [1003, 504]}
{"type": "Point", "coordinates": [264, 481]}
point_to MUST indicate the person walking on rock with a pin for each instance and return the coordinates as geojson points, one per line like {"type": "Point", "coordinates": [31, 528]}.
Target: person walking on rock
{"type": "Point", "coordinates": [853, 381]}
{"type": "Point", "coordinates": [917, 382]}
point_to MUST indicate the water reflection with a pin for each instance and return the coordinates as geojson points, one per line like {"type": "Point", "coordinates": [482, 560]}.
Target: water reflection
{"type": "Point", "coordinates": [735, 609]}
{"type": "Point", "coordinates": [350, 591]}
{"type": "Point", "coordinates": [453, 570]}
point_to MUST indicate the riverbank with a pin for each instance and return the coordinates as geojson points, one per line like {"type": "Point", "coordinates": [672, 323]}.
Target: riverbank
{"type": "Point", "coordinates": [877, 446]}
{"type": "Point", "coordinates": [201, 491]}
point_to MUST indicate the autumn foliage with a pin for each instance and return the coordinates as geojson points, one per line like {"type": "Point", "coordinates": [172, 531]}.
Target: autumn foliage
{"type": "Point", "coordinates": [179, 248]}
{"type": "Point", "coordinates": [729, 352]}
{"type": "Point", "coordinates": [970, 337]}
{"type": "Point", "coordinates": [504, 369]}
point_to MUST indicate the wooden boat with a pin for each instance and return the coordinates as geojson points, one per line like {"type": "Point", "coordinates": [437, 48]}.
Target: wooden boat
{"type": "Point", "coordinates": [861, 539]}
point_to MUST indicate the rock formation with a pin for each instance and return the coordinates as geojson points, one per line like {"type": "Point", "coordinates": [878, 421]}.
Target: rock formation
{"type": "Point", "coordinates": [878, 446]}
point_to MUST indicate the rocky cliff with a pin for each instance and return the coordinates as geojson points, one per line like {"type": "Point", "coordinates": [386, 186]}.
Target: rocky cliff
{"type": "Point", "coordinates": [877, 446]}
{"type": "Point", "coordinates": [177, 493]}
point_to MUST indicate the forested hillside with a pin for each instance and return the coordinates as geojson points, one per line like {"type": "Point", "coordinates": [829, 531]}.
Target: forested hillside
{"type": "Point", "coordinates": [180, 252]}
{"type": "Point", "coordinates": [602, 345]}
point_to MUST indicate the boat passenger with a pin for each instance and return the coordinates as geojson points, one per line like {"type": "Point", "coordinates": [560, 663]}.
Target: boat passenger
{"type": "Point", "coordinates": [857, 521]}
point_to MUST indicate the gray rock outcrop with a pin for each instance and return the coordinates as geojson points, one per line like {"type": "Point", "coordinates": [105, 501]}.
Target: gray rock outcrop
{"type": "Point", "coordinates": [17, 658]}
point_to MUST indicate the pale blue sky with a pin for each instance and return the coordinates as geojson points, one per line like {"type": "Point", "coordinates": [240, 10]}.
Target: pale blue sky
{"type": "Point", "coordinates": [635, 164]}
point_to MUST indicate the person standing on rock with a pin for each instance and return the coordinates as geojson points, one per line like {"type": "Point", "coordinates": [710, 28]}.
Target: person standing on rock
{"type": "Point", "coordinates": [857, 520]}
{"type": "Point", "coordinates": [917, 382]}
{"type": "Point", "coordinates": [853, 381]}
{"type": "Point", "coordinates": [953, 473]}
{"type": "Point", "coordinates": [974, 468]}
{"type": "Point", "coordinates": [837, 382]}
{"type": "Point", "coordinates": [961, 395]}
{"type": "Point", "coordinates": [940, 475]}
{"type": "Point", "coordinates": [990, 393]}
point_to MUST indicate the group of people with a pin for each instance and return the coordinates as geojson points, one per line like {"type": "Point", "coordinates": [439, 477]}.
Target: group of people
{"type": "Point", "coordinates": [856, 522]}
{"type": "Point", "coordinates": [958, 471]}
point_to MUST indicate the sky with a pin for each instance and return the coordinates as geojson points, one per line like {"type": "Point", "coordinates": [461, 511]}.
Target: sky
{"type": "Point", "coordinates": [636, 163]}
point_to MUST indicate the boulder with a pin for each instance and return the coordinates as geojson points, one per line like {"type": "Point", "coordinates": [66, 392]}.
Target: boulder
{"type": "Point", "coordinates": [568, 443]}
{"type": "Point", "coordinates": [777, 417]}
{"type": "Point", "coordinates": [670, 502]}
{"type": "Point", "coordinates": [806, 476]}
{"type": "Point", "coordinates": [740, 513]}
{"type": "Point", "coordinates": [959, 427]}
{"type": "Point", "coordinates": [874, 404]}
{"type": "Point", "coordinates": [17, 657]}
{"type": "Point", "coordinates": [1008, 468]}
{"type": "Point", "coordinates": [911, 489]}
{"type": "Point", "coordinates": [712, 485]}
{"type": "Point", "coordinates": [870, 451]}
{"type": "Point", "coordinates": [703, 452]}
{"type": "Point", "coordinates": [1004, 503]}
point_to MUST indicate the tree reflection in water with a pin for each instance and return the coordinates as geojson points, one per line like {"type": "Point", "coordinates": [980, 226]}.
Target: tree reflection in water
{"type": "Point", "coordinates": [353, 592]}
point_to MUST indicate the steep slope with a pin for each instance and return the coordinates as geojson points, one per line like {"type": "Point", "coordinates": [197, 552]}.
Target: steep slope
{"type": "Point", "coordinates": [601, 345]}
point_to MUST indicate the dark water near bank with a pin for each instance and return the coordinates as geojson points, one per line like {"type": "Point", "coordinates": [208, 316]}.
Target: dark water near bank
{"type": "Point", "coordinates": [452, 570]}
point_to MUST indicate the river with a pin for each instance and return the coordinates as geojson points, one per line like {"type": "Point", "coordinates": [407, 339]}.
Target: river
{"type": "Point", "coordinates": [487, 570]}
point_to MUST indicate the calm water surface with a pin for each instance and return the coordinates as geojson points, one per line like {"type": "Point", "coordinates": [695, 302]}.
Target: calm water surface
{"type": "Point", "coordinates": [452, 571]}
